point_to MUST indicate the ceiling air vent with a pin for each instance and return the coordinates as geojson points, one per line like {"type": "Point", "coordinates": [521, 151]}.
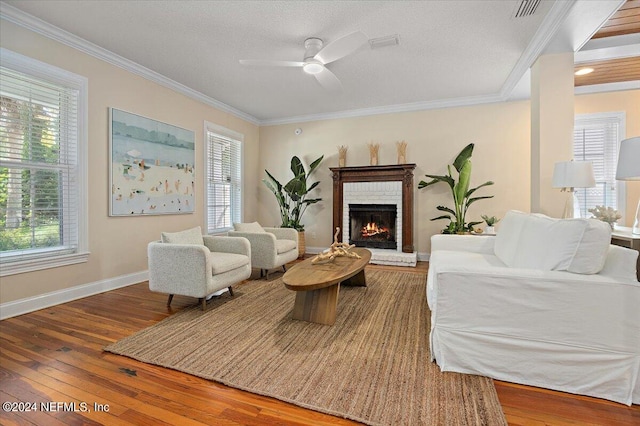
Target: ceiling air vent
{"type": "Point", "coordinates": [526, 8]}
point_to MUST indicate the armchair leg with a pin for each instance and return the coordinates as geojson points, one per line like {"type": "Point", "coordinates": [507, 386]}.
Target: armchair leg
{"type": "Point", "coordinates": [170, 299]}
{"type": "Point", "coordinates": [203, 303]}
{"type": "Point", "coordinates": [231, 291]}
{"type": "Point", "coordinates": [284, 268]}
{"type": "Point", "coordinates": [266, 273]}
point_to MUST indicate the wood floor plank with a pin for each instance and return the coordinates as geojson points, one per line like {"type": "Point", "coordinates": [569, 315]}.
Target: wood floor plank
{"type": "Point", "coordinates": [55, 354]}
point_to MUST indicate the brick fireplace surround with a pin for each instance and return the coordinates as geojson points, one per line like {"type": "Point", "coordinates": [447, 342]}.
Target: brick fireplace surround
{"type": "Point", "coordinates": [388, 184]}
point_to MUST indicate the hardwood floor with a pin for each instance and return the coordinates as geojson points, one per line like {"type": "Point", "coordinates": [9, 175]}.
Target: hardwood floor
{"type": "Point", "coordinates": [55, 356]}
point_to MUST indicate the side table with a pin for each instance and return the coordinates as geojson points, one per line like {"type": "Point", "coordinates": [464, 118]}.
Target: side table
{"type": "Point", "coordinates": [622, 236]}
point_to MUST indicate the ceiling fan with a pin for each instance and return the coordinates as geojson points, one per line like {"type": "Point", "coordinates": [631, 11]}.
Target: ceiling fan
{"type": "Point", "coordinates": [316, 57]}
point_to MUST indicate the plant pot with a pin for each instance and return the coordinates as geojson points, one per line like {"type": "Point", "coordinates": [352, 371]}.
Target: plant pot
{"type": "Point", "coordinates": [301, 245]}
{"type": "Point", "coordinates": [490, 230]}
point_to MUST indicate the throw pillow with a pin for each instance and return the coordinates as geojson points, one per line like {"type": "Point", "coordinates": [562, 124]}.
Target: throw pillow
{"type": "Point", "coordinates": [593, 248]}
{"type": "Point", "coordinates": [189, 236]}
{"type": "Point", "coordinates": [508, 236]}
{"type": "Point", "coordinates": [252, 227]}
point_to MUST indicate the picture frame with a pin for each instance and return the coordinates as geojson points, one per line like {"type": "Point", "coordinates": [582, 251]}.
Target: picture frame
{"type": "Point", "coordinates": [151, 166]}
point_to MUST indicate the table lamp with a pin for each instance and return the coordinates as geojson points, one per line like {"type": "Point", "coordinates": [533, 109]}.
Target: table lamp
{"type": "Point", "coordinates": [629, 169]}
{"type": "Point", "coordinates": [569, 175]}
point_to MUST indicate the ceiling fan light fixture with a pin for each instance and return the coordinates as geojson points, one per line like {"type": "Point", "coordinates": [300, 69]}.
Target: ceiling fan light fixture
{"type": "Point", "coordinates": [312, 67]}
{"type": "Point", "coordinates": [584, 71]}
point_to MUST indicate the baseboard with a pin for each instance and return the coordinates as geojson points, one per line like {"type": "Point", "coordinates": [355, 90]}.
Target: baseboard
{"type": "Point", "coordinates": [423, 257]}
{"type": "Point", "coordinates": [41, 301]}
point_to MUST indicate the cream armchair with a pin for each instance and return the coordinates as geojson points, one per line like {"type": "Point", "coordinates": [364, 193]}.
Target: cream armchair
{"type": "Point", "coordinates": [191, 264]}
{"type": "Point", "coordinates": [270, 247]}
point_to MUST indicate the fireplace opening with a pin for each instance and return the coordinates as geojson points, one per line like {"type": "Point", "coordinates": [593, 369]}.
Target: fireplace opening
{"type": "Point", "coordinates": [373, 225]}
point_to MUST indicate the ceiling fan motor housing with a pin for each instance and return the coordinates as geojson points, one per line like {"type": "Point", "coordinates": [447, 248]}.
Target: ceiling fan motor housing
{"type": "Point", "coordinates": [313, 46]}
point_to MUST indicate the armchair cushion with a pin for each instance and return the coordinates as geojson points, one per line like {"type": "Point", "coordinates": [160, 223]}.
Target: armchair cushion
{"type": "Point", "coordinates": [189, 236]}
{"type": "Point", "coordinates": [283, 246]}
{"type": "Point", "coordinates": [248, 227]}
{"type": "Point", "coordinates": [224, 262]}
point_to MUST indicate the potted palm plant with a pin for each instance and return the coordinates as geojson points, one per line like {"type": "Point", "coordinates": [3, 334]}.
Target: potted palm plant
{"type": "Point", "coordinates": [292, 196]}
{"type": "Point", "coordinates": [460, 191]}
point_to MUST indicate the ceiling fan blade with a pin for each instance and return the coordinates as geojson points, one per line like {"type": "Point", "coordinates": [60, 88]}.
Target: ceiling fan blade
{"type": "Point", "coordinates": [341, 47]}
{"type": "Point", "coordinates": [268, 63]}
{"type": "Point", "coordinates": [328, 80]}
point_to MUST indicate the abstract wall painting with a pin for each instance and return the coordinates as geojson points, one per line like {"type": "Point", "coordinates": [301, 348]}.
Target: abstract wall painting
{"type": "Point", "coordinates": [152, 166]}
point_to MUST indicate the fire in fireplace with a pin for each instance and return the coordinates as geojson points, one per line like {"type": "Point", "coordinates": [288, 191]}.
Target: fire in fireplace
{"type": "Point", "coordinates": [373, 225]}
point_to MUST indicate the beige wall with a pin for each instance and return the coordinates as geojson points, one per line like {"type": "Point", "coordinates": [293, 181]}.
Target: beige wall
{"type": "Point", "coordinates": [500, 132]}
{"type": "Point", "coordinates": [551, 128]}
{"type": "Point", "coordinates": [629, 102]}
{"type": "Point", "coordinates": [118, 244]}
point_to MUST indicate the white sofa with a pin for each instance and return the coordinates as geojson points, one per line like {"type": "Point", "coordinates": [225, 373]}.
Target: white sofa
{"type": "Point", "coordinates": [509, 308]}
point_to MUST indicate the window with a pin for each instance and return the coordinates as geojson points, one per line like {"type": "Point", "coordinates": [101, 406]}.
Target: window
{"type": "Point", "coordinates": [596, 138]}
{"type": "Point", "coordinates": [42, 165]}
{"type": "Point", "coordinates": [224, 178]}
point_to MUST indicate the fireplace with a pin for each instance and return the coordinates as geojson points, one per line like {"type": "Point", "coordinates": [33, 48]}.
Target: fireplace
{"type": "Point", "coordinates": [373, 225]}
{"type": "Point", "coordinates": [386, 184]}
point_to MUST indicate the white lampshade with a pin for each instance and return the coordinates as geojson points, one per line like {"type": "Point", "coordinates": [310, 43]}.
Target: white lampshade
{"type": "Point", "coordinates": [629, 160]}
{"type": "Point", "coordinates": [573, 174]}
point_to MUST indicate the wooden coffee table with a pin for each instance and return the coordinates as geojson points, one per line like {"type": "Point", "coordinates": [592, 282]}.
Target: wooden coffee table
{"type": "Point", "coordinates": [317, 286]}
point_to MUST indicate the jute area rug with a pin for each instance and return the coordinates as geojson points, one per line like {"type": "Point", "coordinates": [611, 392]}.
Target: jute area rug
{"type": "Point", "coordinates": [371, 366]}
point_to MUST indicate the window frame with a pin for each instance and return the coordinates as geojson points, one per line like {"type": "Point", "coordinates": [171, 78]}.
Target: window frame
{"type": "Point", "coordinates": [222, 132]}
{"type": "Point", "coordinates": [619, 118]}
{"type": "Point", "coordinates": [38, 259]}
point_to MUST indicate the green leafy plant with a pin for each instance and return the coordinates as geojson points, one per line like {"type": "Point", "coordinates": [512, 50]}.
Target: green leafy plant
{"type": "Point", "coordinates": [292, 197]}
{"type": "Point", "coordinates": [460, 191]}
{"type": "Point", "coordinates": [490, 221]}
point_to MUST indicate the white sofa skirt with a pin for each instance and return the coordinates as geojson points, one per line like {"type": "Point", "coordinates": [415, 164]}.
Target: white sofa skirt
{"type": "Point", "coordinates": [556, 330]}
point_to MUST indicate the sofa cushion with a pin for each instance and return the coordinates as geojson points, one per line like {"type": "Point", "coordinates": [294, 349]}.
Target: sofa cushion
{"type": "Point", "coordinates": [593, 248]}
{"type": "Point", "coordinates": [536, 241]}
{"type": "Point", "coordinates": [225, 262]}
{"type": "Point", "coordinates": [508, 236]}
{"type": "Point", "coordinates": [189, 236]}
{"type": "Point", "coordinates": [283, 246]}
{"type": "Point", "coordinates": [252, 227]}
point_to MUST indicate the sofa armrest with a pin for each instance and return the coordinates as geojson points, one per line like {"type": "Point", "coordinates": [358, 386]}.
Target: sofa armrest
{"type": "Point", "coordinates": [284, 233]}
{"type": "Point", "coordinates": [468, 243]}
{"type": "Point", "coordinates": [620, 263]}
{"type": "Point", "coordinates": [237, 245]}
{"type": "Point", "coordinates": [173, 264]}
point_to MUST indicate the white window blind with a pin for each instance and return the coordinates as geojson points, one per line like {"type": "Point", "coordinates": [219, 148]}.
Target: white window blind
{"type": "Point", "coordinates": [596, 138]}
{"type": "Point", "coordinates": [41, 184]}
{"type": "Point", "coordinates": [224, 182]}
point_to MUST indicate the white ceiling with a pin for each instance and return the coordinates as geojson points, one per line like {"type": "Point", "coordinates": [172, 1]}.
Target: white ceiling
{"type": "Point", "coordinates": [450, 52]}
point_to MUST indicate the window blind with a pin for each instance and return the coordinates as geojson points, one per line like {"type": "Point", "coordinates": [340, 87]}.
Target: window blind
{"type": "Point", "coordinates": [38, 167]}
{"type": "Point", "coordinates": [597, 139]}
{"type": "Point", "coordinates": [224, 182]}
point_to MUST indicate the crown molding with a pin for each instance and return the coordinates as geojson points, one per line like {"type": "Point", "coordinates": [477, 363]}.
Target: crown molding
{"type": "Point", "coordinates": [388, 109]}
{"type": "Point", "coordinates": [48, 30]}
{"type": "Point", "coordinates": [543, 36]}
{"type": "Point", "coordinates": [607, 87]}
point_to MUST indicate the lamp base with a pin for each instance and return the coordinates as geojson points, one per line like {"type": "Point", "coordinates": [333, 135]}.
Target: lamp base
{"type": "Point", "coordinates": [635, 229]}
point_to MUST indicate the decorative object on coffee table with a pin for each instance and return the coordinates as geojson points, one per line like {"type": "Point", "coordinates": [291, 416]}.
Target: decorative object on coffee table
{"type": "Point", "coordinates": [373, 153]}
{"type": "Point", "coordinates": [402, 152]}
{"type": "Point", "coordinates": [336, 250]}
{"type": "Point", "coordinates": [342, 155]}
